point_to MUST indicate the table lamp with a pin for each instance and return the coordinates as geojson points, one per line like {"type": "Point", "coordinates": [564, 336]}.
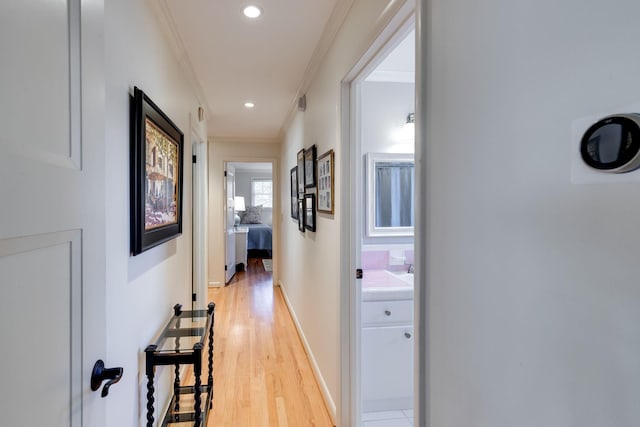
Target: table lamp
{"type": "Point", "coordinates": [238, 206]}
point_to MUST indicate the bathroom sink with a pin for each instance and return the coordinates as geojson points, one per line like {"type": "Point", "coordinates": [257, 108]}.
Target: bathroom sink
{"type": "Point", "coordinates": [386, 285]}
{"type": "Point", "coordinates": [404, 276]}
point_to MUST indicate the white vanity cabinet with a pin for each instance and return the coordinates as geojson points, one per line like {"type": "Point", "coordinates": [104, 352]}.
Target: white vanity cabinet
{"type": "Point", "coordinates": [387, 355]}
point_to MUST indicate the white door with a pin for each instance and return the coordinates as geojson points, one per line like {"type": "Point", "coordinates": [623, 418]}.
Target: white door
{"type": "Point", "coordinates": [229, 232]}
{"type": "Point", "coordinates": [52, 256]}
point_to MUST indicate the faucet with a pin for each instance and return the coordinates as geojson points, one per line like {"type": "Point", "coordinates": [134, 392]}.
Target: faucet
{"type": "Point", "coordinates": [410, 269]}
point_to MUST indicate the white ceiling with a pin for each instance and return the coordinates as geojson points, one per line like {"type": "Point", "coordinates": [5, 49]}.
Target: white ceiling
{"type": "Point", "coordinates": [265, 61]}
{"type": "Point", "coordinates": [399, 64]}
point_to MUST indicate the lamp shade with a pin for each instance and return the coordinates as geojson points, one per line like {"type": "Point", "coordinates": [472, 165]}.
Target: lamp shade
{"type": "Point", "coordinates": [238, 202]}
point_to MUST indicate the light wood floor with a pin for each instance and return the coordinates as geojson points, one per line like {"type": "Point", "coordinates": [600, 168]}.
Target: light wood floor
{"type": "Point", "coordinates": [262, 375]}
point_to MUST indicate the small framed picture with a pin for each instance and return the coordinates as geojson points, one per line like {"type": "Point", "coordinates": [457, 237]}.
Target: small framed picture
{"type": "Point", "coordinates": [310, 167]}
{"type": "Point", "coordinates": [310, 212]}
{"type": "Point", "coordinates": [301, 215]}
{"type": "Point", "coordinates": [300, 171]}
{"type": "Point", "coordinates": [294, 192]}
{"type": "Point", "coordinates": [325, 182]}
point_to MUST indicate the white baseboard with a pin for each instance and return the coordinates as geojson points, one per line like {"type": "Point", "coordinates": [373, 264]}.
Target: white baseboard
{"type": "Point", "coordinates": [314, 365]}
{"type": "Point", "coordinates": [215, 285]}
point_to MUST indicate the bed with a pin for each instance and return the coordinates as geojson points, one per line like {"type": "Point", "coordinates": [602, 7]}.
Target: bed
{"type": "Point", "coordinates": [259, 237]}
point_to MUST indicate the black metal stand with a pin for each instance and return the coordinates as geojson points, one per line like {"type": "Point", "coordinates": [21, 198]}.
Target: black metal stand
{"type": "Point", "coordinates": [164, 353]}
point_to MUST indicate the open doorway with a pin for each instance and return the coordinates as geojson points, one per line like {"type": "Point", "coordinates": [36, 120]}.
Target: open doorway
{"type": "Point", "coordinates": [381, 101]}
{"type": "Point", "coordinates": [248, 216]}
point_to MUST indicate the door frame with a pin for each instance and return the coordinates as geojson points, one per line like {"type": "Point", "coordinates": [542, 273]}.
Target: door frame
{"type": "Point", "coordinates": [352, 226]}
{"type": "Point", "coordinates": [199, 217]}
{"type": "Point", "coordinates": [275, 222]}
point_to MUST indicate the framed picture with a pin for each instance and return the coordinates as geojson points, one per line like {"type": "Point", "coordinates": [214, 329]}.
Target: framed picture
{"type": "Point", "coordinates": [310, 212]}
{"type": "Point", "coordinates": [300, 171]}
{"type": "Point", "coordinates": [157, 151]}
{"type": "Point", "coordinates": [310, 167]}
{"type": "Point", "coordinates": [294, 192]}
{"type": "Point", "coordinates": [325, 182]}
{"type": "Point", "coordinates": [301, 215]}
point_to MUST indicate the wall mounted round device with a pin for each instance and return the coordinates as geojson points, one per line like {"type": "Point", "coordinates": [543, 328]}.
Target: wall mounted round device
{"type": "Point", "coordinates": [613, 144]}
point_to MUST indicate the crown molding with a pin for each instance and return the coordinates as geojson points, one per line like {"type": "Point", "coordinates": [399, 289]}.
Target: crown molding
{"type": "Point", "coordinates": [242, 140]}
{"type": "Point", "coordinates": [333, 25]}
{"type": "Point", "coordinates": [170, 29]}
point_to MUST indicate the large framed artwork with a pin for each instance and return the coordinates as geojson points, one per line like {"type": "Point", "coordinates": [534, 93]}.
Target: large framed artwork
{"type": "Point", "coordinates": [310, 212]}
{"type": "Point", "coordinates": [325, 182]}
{"type": "Point", "coordinates": [310, 167]}
{"type": "Point", "coordinates": [294, 192]}
{"type": "Point", "coordinates": [300, 172]}
{"type": "Point", "coordinates": [157, 151]}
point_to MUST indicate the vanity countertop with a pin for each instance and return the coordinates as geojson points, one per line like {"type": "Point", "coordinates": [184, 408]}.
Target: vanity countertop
{"type": "Point", "coordinates": [384, 285]}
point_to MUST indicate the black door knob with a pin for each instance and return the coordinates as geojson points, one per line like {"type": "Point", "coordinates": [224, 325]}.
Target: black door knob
{"type": "Point", "coordinates": [100, 373]}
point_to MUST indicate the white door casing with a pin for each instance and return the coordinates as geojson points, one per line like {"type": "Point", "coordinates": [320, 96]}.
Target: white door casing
{"type": "Point", "coordinates": [229, 232]}
{"type": "Point", "coordinates": [52, 227]}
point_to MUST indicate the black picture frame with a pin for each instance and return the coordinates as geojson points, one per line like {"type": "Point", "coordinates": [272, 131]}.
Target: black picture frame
{"type": "Point", "coordinates": [301, 215]}
{"type": "Point", "coordinates": [310, 212]}
{"type": "Point", "coordinates": [294, 192]}
{"type": "Point", "coordinates": [310, 167]}
{"type": "Point", "coordinates": [157, 163]}
{"type": "Point", "coordinates": [300, 172]}
{"type": "Point", "coordinates": [326, 170]}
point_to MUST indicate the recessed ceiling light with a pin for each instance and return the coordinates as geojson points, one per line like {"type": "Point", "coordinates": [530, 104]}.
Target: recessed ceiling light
{"type": "Point", "coordinates": [249, 104]}
{"type": "Point", "coordinates": [252, 11]}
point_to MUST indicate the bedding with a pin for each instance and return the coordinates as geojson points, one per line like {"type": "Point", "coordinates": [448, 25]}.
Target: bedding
{"type": "Point", "coordinates": [259, 236]}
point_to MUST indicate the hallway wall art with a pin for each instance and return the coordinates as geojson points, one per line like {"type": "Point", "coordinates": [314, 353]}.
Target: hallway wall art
{"type": "Point", "coordinates": [157, 151]}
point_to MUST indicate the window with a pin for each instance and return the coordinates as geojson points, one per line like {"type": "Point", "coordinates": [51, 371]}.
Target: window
{"type": "Point", "coordinates": [261, 192]}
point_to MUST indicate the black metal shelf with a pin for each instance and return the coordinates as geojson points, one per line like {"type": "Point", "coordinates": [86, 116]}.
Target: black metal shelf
{"type": "Point", "coordinates": [182, 342]}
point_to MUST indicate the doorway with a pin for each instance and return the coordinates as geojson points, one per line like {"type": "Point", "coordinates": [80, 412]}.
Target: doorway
{"type": "Point", "coordinates": [199, 211]}
{"type": "Point", "coordinates": [249, 216]}
{"type": "Point", "coordinates": [381, 145]}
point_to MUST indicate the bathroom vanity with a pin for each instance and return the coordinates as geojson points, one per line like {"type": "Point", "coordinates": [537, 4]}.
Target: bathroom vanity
{"type": "Point", "coordinates": [387, 341]}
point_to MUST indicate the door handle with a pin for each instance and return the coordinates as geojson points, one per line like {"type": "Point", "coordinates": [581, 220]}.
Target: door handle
{"type": "Point", "coordinates": [100, 373]}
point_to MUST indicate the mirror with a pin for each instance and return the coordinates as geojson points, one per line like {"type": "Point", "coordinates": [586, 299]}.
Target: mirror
{"type": "Point", "coordinates": [390, 188]}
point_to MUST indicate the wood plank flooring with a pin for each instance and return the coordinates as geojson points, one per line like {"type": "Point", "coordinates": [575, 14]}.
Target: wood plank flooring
{"type": "Point", "coordinates": [262, 375]}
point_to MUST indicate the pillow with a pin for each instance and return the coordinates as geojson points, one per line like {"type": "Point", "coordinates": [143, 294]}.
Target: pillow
{"type": "Point", "coordinates": [252, 215]}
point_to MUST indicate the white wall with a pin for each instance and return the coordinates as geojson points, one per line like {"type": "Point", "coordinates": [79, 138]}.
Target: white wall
{"type": "Point", "coordinates": [140, 290]}
{"type": "Point", "coordinates": [534, 288]}
{"type": "Point", "coordinates": [384, 109]}
{"type": "Point", "coordinates": [243, 188]}
{"type": "Point", "coordinates": [312, 281]}
{"type": "Point", "coordinates": [221, 151]}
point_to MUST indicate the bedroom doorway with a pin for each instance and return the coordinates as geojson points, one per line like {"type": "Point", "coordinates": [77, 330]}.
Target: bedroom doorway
{"type": "Point", "coordinates": [249, 217]}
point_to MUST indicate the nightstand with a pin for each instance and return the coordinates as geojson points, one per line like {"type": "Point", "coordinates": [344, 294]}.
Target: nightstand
{"type": "Point", "coordinates": [241, 247]}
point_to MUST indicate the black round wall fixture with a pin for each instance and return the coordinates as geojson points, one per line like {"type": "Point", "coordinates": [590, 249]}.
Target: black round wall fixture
{"type": "Point", "coordinates": [612, 144]}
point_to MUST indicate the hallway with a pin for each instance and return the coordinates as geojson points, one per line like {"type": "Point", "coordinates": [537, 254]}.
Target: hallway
{"type": "Point", "coordinates": [262, 376]}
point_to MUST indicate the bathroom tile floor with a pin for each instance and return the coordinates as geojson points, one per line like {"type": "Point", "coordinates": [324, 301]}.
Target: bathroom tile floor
{"type": "Point", "coordinates": [402, 418]}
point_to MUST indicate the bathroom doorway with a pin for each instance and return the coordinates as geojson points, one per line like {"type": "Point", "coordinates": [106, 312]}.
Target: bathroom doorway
{"type": "Point", "coordinates": [382, 107]}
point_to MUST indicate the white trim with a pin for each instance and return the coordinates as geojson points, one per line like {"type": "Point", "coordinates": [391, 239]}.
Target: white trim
{"type": "Point", "coordinates": [392, 76]}
{"type": "Point", "coordinates": [331, 406]}
{"type": "Point", "coordinates": [331, 29]}
{"type": "Point", "coordinates": [422, 287]}
{"type": "Point", "coordinates": [170, 29]}
{"type": "Point", "coordinates": [199, 226]}
{"type": "Point", "coordinates": [392, 27]}
{"type": "Point", "coordinates": [275, 210]}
